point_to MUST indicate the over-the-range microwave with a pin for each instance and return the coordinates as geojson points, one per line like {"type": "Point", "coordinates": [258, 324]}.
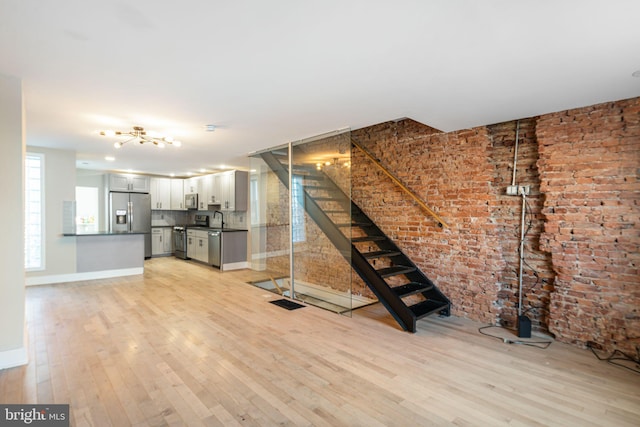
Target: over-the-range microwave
{"type": "Point", "coordinates": [191, 201]}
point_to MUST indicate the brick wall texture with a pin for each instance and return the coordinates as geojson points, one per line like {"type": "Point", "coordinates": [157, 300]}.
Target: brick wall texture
{"type": "Point", "coordinates": [582, 247]}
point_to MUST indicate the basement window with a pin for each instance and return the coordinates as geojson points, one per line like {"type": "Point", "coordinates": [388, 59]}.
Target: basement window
{"type": "Point", "coordinates": [34, 211]}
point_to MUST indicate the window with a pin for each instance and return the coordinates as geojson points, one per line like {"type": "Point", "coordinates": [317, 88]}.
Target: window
{"type": "Point", "coordinates": [297, 210]}
{"type": "Point", "coordinates": [34, 211]}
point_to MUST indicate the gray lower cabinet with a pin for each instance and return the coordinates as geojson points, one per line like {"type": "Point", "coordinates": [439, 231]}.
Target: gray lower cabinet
{"type": "Point", "coordinates": [233, 248]}
{"type": "Point", "coordinates": [198, 245]}
{"type": "Point", "coordinates": [161, 241]}
{"type": "Point", "coordinates": [233, 251]}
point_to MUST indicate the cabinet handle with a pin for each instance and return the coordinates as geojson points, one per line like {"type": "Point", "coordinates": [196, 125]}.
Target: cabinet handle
{"type": "Point", "coordinates": [161, 237]}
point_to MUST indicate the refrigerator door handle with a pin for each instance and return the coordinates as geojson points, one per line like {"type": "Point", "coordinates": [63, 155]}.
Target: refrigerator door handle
{"type": "Point", "coordinates": [130, 209]}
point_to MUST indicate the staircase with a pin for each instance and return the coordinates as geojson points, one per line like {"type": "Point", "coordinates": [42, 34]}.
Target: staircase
{"type": "Point", "coordinates": [398, 284]}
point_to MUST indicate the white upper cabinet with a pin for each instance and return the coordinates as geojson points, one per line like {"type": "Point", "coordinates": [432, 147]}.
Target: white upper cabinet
{"type": "Point", "coordinates": [177, 195]}
{"type": "Point", "coordinates": [190, 185]}
{"type": "Point", "coordinates": [234, 190]}
{"type": "Point", "coordinates": [204, 192]}
{"type": "Point", "coordinates": [126, 182]}
{"type": "Point", "coordinates": [161, 194]}
{"type": "Point", "coordinates": [216, 190]}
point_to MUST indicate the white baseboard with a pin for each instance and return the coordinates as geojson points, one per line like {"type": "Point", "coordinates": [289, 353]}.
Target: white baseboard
{"type": "Point", "coordinates": [13, 358]}
{"type": "Point", "coordinates": [234, 266]}
{"type": "Point", "coordinates": [77, 277]}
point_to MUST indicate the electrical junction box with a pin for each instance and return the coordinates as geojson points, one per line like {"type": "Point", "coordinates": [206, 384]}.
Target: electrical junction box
{"type": "Point", "coordinates": [516, 190]}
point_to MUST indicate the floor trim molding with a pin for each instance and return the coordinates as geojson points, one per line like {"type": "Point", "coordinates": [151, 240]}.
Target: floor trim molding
{"type": "Point", "coordinates": [13, 358]}
{"type": "Point", "coordinates": [77, 277]}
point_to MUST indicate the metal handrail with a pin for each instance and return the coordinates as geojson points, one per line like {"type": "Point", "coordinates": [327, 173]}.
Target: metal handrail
{"type": "Point", "coordinates": [441, 222]}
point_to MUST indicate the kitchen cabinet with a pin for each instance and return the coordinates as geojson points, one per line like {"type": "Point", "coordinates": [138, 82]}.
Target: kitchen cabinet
{"type": "Point", "coordinates": [190, 185]}
{"type": "Point", "coordinates": [198, 245]}
{"type": "Point", "coordinates": [160, 194]}
{"type": "Point", "coordinates": [204, 192]}
{"type": "Point", "coordinates": [216, 189]}
{"type": "Point", "coordinates": [167, 240]}
{"type": "Point", "coordinates": [128, 182]}
{"type": "Point", "coordinates": [209, 192]}
{"type": "Point", "coordinates": [233, 250]}
{"type": "Point", "coordinates": [177, 195]}
{"type": "Point", "coordinates": [228, 191]}
{"type": "Point", "coordinates": [234, 190]}
{"type": "Point", "coordinates": [161, 242]}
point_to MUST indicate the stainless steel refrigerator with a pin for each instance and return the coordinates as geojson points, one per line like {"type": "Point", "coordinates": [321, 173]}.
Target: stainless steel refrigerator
{"type": "Point", "coordinates": [131, 212]}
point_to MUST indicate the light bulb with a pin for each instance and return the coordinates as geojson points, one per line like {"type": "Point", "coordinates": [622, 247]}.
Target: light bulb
{"type": "Point", "coordinates": [160, 144]}
{"type": "Point", "coordinates": [117, 144]}
{"type": "Point", "coordinates": [177, 143]}
{"type": "Point", "coordinates": [108, 133]}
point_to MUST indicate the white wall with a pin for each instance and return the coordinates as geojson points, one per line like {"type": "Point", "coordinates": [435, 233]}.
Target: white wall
{"type": "Point", "coordinates": [12, 292]}
{"type": "Point", "coordinates": [60, 186]}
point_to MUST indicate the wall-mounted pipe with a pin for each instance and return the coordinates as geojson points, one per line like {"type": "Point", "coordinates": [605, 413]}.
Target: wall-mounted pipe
{"type": "Point", "coordinates": [515, 154]}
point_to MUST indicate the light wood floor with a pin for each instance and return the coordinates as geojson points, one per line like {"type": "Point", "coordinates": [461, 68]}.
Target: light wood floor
{"type": "Point", "coordinates": [187, 345]}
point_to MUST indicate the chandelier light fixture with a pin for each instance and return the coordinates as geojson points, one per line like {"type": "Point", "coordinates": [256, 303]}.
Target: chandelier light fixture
{"type": "Point", "coordinates": [139, 134]}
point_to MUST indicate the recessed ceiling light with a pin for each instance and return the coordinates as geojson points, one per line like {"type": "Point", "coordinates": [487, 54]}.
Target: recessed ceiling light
{"type": "Point", "coordinates": [203, 170]}
{"type": "Point", "coordinates": [172, 174]}
{"type": "Point", "coordinates": [210, 128]}
{"type": "Point", "coordinates": [636, 73]}
{"type": "Point", "coordinates": [109, 158]}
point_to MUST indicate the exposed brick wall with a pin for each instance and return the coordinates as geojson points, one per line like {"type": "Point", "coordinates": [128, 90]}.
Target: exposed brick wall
{"type": "Point", "coordinates": [590, 168]}
{"type": "Point", "coordinates": [452, 174]}
{"type": "Point", "coordinates": [583, 167]}
{"type": "Point", "coordinates": [538, 275]}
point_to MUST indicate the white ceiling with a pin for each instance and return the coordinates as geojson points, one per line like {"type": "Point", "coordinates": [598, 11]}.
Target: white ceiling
{"type": "Point", "coordinates": [269, 72]}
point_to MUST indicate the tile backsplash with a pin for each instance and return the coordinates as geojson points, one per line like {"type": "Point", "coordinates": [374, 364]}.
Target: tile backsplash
{"type": "Point", "coordinates": [168, 218]}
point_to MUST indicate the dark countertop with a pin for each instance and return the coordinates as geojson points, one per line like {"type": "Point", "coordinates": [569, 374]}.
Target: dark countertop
{"type": "Point", "coordinates": [104, 233]}
{"type": "Point", "coordinates": [224, 230]}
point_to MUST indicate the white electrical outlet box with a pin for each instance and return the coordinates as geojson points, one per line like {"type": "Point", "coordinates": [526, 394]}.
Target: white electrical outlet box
{"type": "Point", "coordinates": [516, 190]}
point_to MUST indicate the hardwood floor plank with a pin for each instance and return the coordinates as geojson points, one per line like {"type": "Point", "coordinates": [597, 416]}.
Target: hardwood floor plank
{"type": "Point", "coordinates": [184, 344]}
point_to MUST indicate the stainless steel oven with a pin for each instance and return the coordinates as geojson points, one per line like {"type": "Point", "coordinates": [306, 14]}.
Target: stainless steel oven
{"type": "Point", "coordinates": [180, 242]}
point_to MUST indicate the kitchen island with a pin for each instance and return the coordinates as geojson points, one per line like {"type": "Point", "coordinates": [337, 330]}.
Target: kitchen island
{"type": "Point", "coordinates": [104, 254]}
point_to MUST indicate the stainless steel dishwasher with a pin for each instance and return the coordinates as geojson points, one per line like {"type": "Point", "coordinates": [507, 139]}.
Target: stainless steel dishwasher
{"type": "Point", "coordinates": [215, 242]}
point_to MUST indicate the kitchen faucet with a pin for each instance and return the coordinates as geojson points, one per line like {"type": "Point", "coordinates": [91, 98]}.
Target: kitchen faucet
{"type": "Point", "coordinates": [221, 218]}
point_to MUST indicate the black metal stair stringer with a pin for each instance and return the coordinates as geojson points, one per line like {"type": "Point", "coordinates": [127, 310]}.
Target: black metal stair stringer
{"type": "Point", "coordinates": [390, 297]}
{"type": "Point", "coordinates": [392, 302]}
